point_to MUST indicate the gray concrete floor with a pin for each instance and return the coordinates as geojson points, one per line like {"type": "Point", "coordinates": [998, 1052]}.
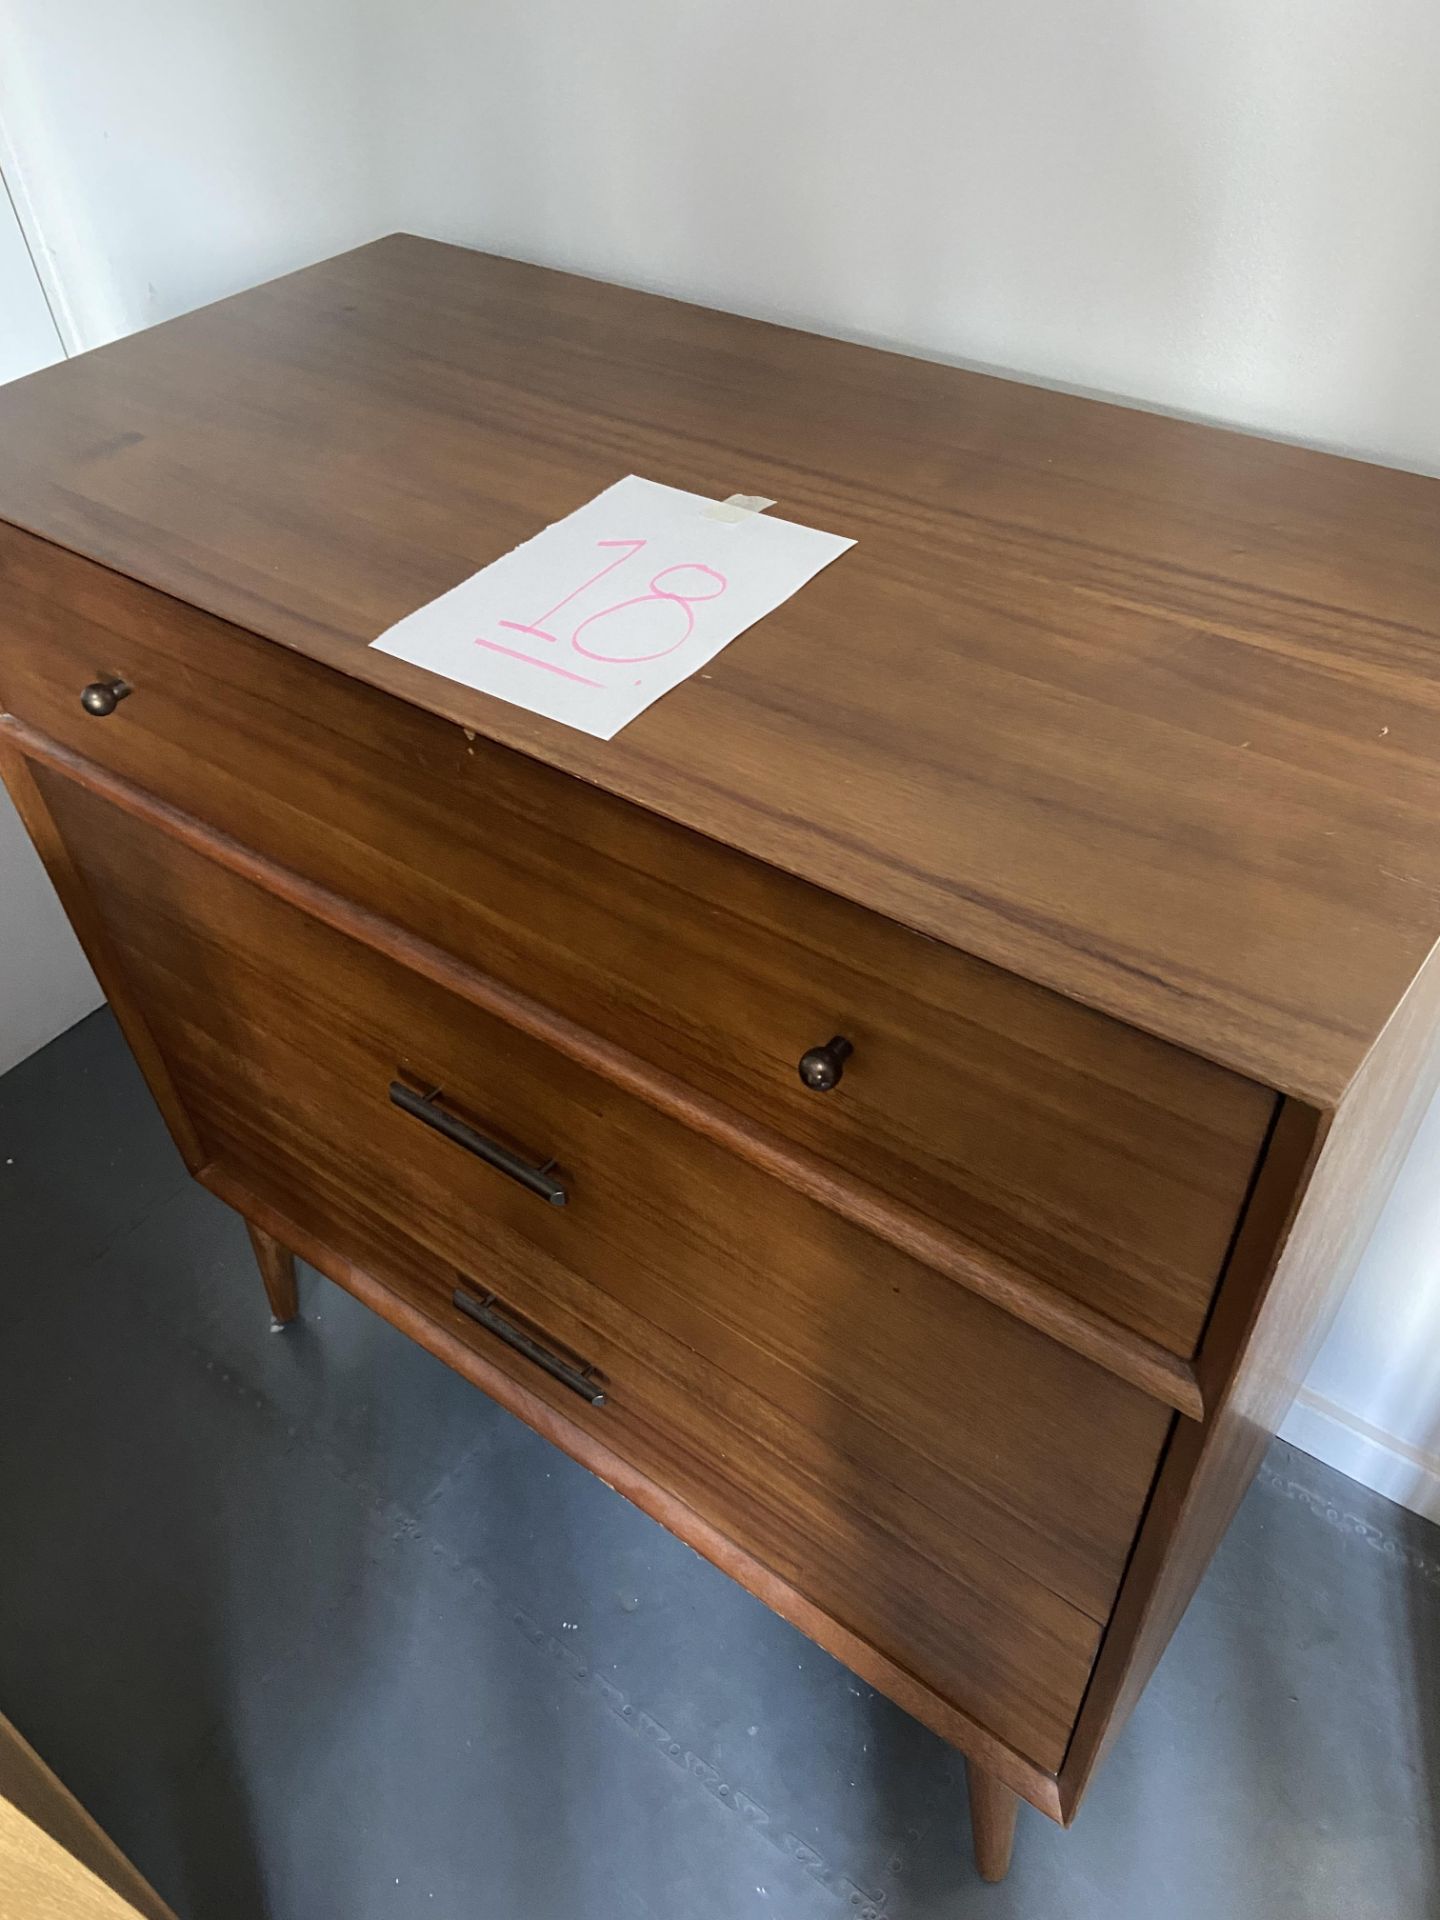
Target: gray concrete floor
{"type": "Point", "coordinates": [315, 1630]}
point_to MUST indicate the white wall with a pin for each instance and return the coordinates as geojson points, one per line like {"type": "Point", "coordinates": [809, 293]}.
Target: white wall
{"type": "Point", "coordinates": [1231, 210]}
{"type": "Point", "coordinates": [28, 336]}
{"type": "Point", "coordinates": [45, 984]}
{"type": "Point", "coordinates": [166, 152]}
{"type": "Point", "coordinates": [1371, 1405]}
{"type": "Point", "coordinates": [160, 154]}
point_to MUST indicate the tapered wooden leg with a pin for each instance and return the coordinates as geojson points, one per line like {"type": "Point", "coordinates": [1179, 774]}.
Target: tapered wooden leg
{"type": "Point", "coordinates": [993, 1807]}
{"type": "Point", "coordinates": [277, 1270]}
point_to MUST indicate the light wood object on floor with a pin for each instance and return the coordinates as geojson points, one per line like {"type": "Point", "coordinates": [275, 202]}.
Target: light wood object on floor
{"type": "Point", "coordinates": [55, 1862]}
{"type": "Point", "coordinates": [1093, 798]}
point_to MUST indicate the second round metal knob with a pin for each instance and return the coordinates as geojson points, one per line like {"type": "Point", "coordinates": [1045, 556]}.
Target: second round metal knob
{"type": "Point", "coordinates": [102, 697]}
{"type": "Point", "coordinates": [822, 1067]}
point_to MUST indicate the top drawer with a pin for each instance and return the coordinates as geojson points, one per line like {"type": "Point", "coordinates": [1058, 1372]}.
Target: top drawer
{"type": "Point", "coordinates": [1111, 1166]}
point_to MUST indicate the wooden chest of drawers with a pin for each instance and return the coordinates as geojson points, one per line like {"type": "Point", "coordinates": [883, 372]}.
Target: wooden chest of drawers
{"type": "Point", "coordinates": [1120, 881]}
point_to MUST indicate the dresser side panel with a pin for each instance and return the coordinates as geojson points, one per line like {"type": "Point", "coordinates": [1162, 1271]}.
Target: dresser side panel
{"type": "Point", "coordinates": [89, 928]}
{"type": "Point", "coordinates": [1319, 1195]}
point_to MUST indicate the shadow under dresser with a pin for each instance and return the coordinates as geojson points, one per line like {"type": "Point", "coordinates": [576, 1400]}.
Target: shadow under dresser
{"type": "Point", "coordinates": [1075, 837]}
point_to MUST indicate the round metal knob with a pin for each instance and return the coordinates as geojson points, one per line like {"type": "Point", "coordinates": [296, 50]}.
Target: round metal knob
{"type": "Point", "coordinates": [102, 697]}
{"type": "Point", "coordinates": [822, 1067]}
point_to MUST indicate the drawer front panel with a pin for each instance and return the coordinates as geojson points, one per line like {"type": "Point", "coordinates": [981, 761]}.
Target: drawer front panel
{"type": "Point", "coordinates": [983, 1451]}
{"type": "Point", "coordinates": [1107, 1164]}
{"type": "Point", "coordinates": [1002, 1649]}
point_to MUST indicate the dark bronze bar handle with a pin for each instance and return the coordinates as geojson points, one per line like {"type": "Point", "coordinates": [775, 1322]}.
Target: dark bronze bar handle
{"type": "Point", "coordinates": [425, 1109]}
{"type": "Point", "coordinates": [578, 1379]}
{"type": "Point", "coordinates": [822, 1067]}
{"type": "Point", "coordinates": [102, 697]}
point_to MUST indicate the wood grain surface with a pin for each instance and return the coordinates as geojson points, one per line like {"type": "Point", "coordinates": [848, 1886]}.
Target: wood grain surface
{"type": "Point", "coordinates": [19, 777]}
{"type": "Point", "coordinates": [1105, 1164]}
{"type": "Point", "coordinates": [1101, 779]}
{"type": "Point", "coordinates": [284, 1037]}
{"type": "Point", "coordinates": [419, 1313]}
{"type": "Point", "coordinates": [992, 1822]}
{"type": "Point", "coordinates": [53, 1855]}
{"type": "Point", "coordinates": [980, 1642]}
{"type": "Point", "coordinates": [277, 1274]}
{"type": "Point", "coordinates": [1138, 709]}
{"type": "Point", "coordinates": [39, 1880]}
{"type": "Point", "coordinates": [1324, 1184]}
{"type": "Point", "coordinates": [811, 1559]}
{"type": "Point", "coordinates": [1002, 1282]}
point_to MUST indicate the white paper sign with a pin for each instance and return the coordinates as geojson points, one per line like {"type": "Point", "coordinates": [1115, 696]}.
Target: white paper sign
{"type": "Point", "coordinates": [612, 606]}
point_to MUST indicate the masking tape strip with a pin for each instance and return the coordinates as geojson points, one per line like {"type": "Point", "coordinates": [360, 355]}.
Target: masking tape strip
{"type": "Point", "coordinates": [740, 506]}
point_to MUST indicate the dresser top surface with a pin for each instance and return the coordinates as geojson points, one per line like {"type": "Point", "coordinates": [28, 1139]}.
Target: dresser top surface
{"type": "Point", "coordinates": [1140, 709]}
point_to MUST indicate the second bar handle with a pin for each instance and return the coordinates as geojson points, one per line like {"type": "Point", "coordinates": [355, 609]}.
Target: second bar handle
{"type": "Point", "coordinates": [427, 1110]}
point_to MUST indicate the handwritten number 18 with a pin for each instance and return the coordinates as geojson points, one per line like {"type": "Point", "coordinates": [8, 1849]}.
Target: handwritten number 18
{"type": "Point", "coordinates": [539, 629]}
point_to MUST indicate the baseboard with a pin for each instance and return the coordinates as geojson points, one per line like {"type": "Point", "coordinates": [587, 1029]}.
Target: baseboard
{"type": "Point", "coordinates": [1387, 1466]}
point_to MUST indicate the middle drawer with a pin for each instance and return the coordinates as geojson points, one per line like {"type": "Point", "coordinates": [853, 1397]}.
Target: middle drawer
{"type": "Point", "coordinates": [283, 1033]}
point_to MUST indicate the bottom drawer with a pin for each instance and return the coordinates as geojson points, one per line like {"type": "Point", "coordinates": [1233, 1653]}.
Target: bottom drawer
{"type": "Point", "coordinates": [943, 1482]}
{"type": "Point", "coordinates": [1002, 1649]}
